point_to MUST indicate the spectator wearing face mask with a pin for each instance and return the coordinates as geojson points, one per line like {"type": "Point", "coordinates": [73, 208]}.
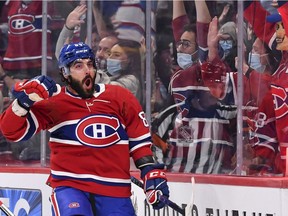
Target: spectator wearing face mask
{"type": "Point", "coordinates": [124, 66]}
{"type": "Point", "coordinates": [228, 44]}
{"type": "Point", "coordinates": [103, 52]}
{"type": "Point", "coordinates": [261, 58]}
{"type": "Point", "coordinates": [200, 138]}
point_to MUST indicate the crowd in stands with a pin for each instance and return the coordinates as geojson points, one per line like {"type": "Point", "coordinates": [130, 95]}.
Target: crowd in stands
{"type": "Point", "coordinates": [194, 70]}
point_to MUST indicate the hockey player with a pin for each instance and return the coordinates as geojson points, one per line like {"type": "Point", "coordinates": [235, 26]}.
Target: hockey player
{"type": "Point", "coordinates": [94, 131]}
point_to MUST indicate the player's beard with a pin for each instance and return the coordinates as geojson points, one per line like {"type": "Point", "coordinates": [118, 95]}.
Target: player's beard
{"type": "Point", "coordinates": [78, 86]}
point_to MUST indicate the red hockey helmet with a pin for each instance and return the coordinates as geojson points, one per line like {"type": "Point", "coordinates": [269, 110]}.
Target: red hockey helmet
{"type": "Point", "coordinates": [214, 77]}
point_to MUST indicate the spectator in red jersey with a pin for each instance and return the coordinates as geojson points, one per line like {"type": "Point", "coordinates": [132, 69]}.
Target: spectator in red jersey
{"type": "Point", "coordinates": [94, 130]}
{"type": "Point", "coordinates": [276, 22]}
{"type": "Point", "coordinates": [279, 84]}
{"type": "Point", "coordinates": [23, 56]}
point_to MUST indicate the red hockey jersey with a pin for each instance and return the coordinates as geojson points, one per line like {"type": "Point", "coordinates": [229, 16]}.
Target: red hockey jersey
{"type": "Point", "coordinates": [91, 140]}
{"type": "Point", "coordinates": [279, 84]}
{"type": "Point", "coordinates": [24, 49]}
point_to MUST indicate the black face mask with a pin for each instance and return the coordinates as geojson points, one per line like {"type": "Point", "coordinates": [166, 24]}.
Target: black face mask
{"type": "Point", "coordinates": [77, 86]}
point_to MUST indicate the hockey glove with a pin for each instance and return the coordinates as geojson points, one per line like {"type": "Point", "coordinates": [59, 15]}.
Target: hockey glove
{"type": "Point", "coordinates": [30, 91]}
{"type": "Point", "coordinates": [155, 184]}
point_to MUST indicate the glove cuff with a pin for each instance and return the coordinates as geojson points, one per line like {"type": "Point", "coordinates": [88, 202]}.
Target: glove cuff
{"type": "Point", "coordinates": [18, 109]}
{"type": "Point", "coordinates": [148, 168]}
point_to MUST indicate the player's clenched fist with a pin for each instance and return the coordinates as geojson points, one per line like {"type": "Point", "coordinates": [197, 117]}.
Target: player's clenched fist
{"type": "Point", "coordinates": [30, 91]}
{"type": "Point", "coordinates": [155, 184]}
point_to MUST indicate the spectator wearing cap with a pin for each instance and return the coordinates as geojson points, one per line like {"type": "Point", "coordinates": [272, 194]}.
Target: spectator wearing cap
{"type": "Point", "coordinates": [279, 84]}
{"type": "Point", "coordinates": [228, 44]}
{"type": "Point", "coordinates": [281, 20]}
{"type": "Point", "coordinates": [276, 22]}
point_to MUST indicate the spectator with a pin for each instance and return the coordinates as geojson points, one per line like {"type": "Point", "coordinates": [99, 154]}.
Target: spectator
{"type": "Point", "coordinates": [278, 84]}
{"type": "Point", "coordinates": [261, 58]}
{"type": "Point", "coordinates": [258, 115]}
{"type": "Point", "coordinates": [200, 138]}
{"type": "Point", "coordinates": [129, 20]}
{"type": "Point", "coordinates": [25, 40]}
{"type": "Point", "coordinates": [23, 57]}
{"type": "Point", "coordinates": [228, 44]}
{"type": "Point", "coordinates": [124, 66]}
{"type": "Point", "coordinates": [103, 52]}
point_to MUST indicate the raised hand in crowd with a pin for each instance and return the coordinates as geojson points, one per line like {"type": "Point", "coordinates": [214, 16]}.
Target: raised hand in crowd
{"type": "Point", "coordinates": [74, 18]}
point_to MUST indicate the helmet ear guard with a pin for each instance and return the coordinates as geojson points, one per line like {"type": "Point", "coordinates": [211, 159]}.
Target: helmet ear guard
{"type": "Point", "coordinates": [65, 71]}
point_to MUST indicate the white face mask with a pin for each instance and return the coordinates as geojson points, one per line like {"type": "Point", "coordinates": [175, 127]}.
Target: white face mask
{"type": "Point", "coordinates": [255, 62]}
{"type": "Point", "coordinates": [185, 60]}
{"type": "Point", "coordinates": [113, 66]}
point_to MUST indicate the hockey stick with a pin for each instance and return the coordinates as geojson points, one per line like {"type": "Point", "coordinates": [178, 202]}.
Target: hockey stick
{"type": "Point", "coordinates": [163, 199]}
{"type": "Point", "coordinates": [189, 207]}
{"type": "Point", "coordinates": [5, 209]}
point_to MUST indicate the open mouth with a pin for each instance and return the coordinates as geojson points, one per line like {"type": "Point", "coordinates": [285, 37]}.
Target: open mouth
{"type": "Point", "coordinates": [88, 83]}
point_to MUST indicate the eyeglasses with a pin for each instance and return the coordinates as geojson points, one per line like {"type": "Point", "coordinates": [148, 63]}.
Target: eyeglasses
{"type": "Point", "coordinates": [185, 44]}
{"type": "Point", "coordinates": [228, 42]}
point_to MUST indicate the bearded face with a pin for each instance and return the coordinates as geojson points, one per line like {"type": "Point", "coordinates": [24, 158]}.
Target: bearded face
{"type": "Point", "coordinates": [84, 88]}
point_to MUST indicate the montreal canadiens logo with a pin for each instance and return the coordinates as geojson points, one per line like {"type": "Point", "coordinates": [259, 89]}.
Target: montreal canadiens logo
{"type": "Point", "coordinates": [98, 131]}
{"type": "Point", "coordinates": [22, 23]}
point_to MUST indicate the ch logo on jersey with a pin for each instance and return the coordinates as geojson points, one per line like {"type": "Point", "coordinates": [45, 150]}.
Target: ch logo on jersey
{"type": "Point", "coordinates": [21, 24]}
{"type": "Point", "coordinates": [179, 98]}
{"type": "Point", "coordinates": [98, 131]}
{"type": "Point", "coordinates": [280, 101]}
